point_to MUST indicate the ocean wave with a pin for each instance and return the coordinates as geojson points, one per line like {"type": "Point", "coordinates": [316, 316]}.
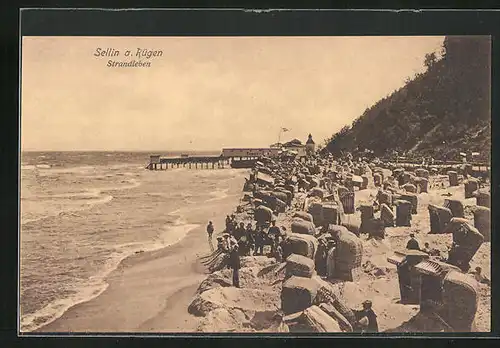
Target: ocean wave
{"type": "Point", "coordinates": [133, 183]}
{"type": "Point", "coordinates": [218, 195]}
{"type": "Point", "coordinates": [50, 171]}
{"type": "Point", "coordinates": [96, 285]}
{"type": "Point", "coordinates": [86, 200]}
{"type": "Point", "coordinates": [56, 309]}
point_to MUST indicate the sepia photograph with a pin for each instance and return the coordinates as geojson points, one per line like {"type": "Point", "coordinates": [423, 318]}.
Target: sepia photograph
{"type": "Point", "coordinates": [255, 184]}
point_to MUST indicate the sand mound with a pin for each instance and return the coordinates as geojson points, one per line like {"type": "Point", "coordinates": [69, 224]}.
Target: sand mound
{"type": "Point", "coordinates": [257, 261]}
{"type": "Point", "coordinates": [236, 320]}
{"type": "Point", "coordinates": [248, 301]}
{"type": "Point", "coordinates": [223, 320]}
{"type": "Point", "coordinates": [215, 280]}
{"type": "Point", "coordinates": [261, 275]}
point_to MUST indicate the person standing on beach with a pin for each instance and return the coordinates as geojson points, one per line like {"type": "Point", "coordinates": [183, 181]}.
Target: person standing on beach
{"type": "Point", "coordinates": [250, 234]}
{"type": "Point", "coordinates": [259, 241]}
{"type": "Point", "coordinates": [234, 263]}
{"type": "Point", "coordinates": [273, 233]}
{"type": "Point", "coordinates": [239, 231]}
{"type": "Point", "coordinates": [210, 232]}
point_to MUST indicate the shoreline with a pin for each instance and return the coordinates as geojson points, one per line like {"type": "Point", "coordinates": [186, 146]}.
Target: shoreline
{"type": "Point", "coordinates": [142, 295]}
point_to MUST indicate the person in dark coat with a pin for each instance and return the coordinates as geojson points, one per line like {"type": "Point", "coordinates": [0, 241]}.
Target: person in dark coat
{"type": "Point", "coordinates": [210, 230]}
{"type": "Point", "coordinates": [250, 234]}
{"type": "Point", "coordinates": [239, 231]}
{"type": "Point", "coordinates": [234, 263]}
{"type": "Point", "coordinates": [321, 256]}
{"type": "Point", "coordinates": [273, 233]}
{"type": "Point", "coordinates": [366, 318]}
{"type": "Point", "coordinates": [412, 243]}
{"type": "Point", "coordinates": [259, 239]}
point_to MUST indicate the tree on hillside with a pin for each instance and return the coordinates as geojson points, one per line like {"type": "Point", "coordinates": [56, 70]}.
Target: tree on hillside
{"type": "Point", "coordinates": [449, 102]}
{"type": "Point", "coordinates": [430, 60]}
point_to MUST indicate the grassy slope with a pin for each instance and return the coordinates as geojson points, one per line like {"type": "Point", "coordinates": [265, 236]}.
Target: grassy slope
{"type": "Point", "coordinates": [442, 112]}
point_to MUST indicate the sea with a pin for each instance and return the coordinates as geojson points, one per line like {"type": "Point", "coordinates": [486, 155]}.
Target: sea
{"type": "Point", "coordinates": [82, 213]}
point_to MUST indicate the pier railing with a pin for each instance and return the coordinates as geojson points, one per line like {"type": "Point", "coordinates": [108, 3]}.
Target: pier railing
{"type": "Point", "coordinates": [197, 162]}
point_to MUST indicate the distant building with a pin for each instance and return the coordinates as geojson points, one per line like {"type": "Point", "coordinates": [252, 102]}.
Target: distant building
{"type": "Point", "coordinates": [310, 145]}
{"type": "Point", "coordinates": [250, 152]}
{"type": "Point", "coordinates": [296, 146]}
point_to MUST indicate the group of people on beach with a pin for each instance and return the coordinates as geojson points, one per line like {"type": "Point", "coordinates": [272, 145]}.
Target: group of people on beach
{"type": "Point", "coordinates": [252, 240]}
{"type": "Point", "coordinates": [239, 240]}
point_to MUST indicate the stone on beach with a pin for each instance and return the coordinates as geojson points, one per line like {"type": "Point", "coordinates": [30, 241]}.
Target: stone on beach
{"type": "Point", "coordinates": [460, 299]}
{"type": "Point", "coordinates": [299, 265]}
{"type": "Point", "coordinates": [453, 178]}
{"type": "Point", "coordinates": [403, 213]}
{"type": "Point", "coordinates": [331, 214]}
{"type": "Point", "coordinates": [352, 226]}
{"type": "Point", "coordinates": [439, 218]}
{"type": "Point", "coordinates": [303, 227]}
{"type": "Point", "coordinates": [471, 186]}
{"type": "Point", "coordinates": [303, 215]}
{"type": "Point", "coordinates": [413, 199]}
{"type": "Point", "coordinates": [303, 244]}
{"type": "Point", "coordinates": [343, 323]}
{"type": "Point", "coordinates": [384, 197]}
{"type": "Point", "coordinates": [317, 192]}
{"type": "Point", "coordinates": [314, 319]}
{"type": "Point", "coordinates": [422, 173]}
{"type": "Point", "coordinates": [297, 294]}
{"type": "Point", "coordinates": [263, 214]}
{"type": "Point", "coordinates": [456, 207]}
{"type": "Point", "coordinates": [483, 199]}
{"type": "Point", "coordinates": [387, 215]}
{"type": "Point", "coordinates": [482, 221]}
{"type": "Point", "coordinates": [423, 185]}
{"type": "Point", "coordinates": [316, 210]}
{"type": "Point", "coordinates": [410, 188]}
{"type": "Point", "coordinates": [251, 300]}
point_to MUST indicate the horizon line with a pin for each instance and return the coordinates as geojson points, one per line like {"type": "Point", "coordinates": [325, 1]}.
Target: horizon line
{"type": "Point", "coordinates": [116, 150]}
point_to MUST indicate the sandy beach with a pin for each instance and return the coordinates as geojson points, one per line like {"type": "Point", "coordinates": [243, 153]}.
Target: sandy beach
{"type": "Point", "coordinates": [150, 291]}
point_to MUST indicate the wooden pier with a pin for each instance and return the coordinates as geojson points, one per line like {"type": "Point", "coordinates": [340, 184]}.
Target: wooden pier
{"type": "Point", "coordinates": [199, 162]}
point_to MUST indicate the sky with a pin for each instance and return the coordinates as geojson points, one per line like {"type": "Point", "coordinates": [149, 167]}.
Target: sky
{"type": "Point", "coordinates": [205, 93]}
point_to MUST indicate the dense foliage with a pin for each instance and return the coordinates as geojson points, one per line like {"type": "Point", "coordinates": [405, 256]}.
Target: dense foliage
{"type": "Point", "coordinates": [439, 113]}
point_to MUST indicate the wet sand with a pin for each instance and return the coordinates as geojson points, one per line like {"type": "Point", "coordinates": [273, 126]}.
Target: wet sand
{"type": "Point", "coordinates": [150, 291]}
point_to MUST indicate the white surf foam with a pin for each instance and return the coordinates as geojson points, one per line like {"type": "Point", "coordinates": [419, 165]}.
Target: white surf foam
{"type": "Point", "coordinates": [218, 195]}
{"type": "Point", "coordinates": [56, 309]}
{"type": "Point", "coordinates": [96, 285]}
